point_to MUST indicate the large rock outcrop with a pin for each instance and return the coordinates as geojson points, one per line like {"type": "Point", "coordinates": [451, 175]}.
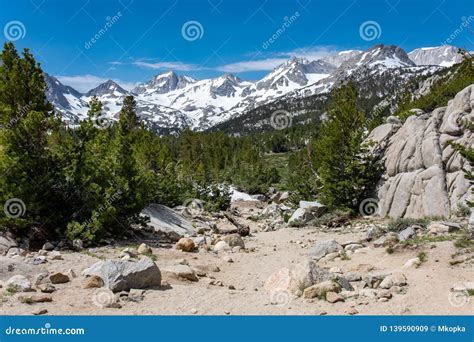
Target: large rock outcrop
{"type": "Point", "coordinates": [423, 174]}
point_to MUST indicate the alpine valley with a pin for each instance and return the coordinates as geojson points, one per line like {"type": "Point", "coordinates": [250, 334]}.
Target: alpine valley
{"type": "Point", "coordinates": [170, 102]}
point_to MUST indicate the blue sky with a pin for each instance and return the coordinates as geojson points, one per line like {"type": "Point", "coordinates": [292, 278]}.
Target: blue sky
{"type": "Point", "coordinates": [137, 39]}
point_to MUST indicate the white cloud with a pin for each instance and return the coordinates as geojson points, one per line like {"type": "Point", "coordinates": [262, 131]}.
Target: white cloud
{"type": "Point", "coordinates": [84, 83]}
{"type": "Point", "coordinates": [275, 59]}
{"type": "Point", "coordinates": [255, 65]}
{"type": "Point", "coordinates": [167, 65]}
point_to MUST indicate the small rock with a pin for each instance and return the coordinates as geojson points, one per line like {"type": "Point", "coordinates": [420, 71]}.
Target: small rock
{"type": "Point", "coordinates": [144, 249]}
{"type": "Point", "coordinates": [39, 312]}
{"type": "Point", "coordinates": [15, 251]}
{"type": "Point", "coordinates": [194, 311]}
{"type": "Point", "coordinates": [221, 246]}
{"type": "Point", "coordinates": [55, 255]}
{"type": "Point", "coordinates": [39, 260]}
{"type": "Point", "coordinates": [352, 311]}
{"type": "Point", "coordinates": [185, 244]}
{"type": "Point", "coordinates": [19, 283]}
{"type": "Point", "coordinates": [415, 262]}
{"type": "Point", "coordinates": [234, 240]}
{"type": "Point", "coordinates": [374, 232]}
{"type": "Point", "coordinates": [384, 294]}
{"type": "Point", "coordinates": [181, 271]}
{"type": "Point", "coordinates": [48, 246]}
{"type": "Point", "coordinates": [333, 297]}
{"type": "Point", "coordinates": [396, 278]}
{"type": "Point", "coordinates": [41, 278]}
{"type": "Point", "coordinates": [353, 246]}
{"type": "Point", "coordinates": [227, 258]}
{"type": "Point", "coordinates": [335, 270]}
{"type": "Point", "coordinates": [320, 289]}
{"type": "Point", "coordinates": [46, 288]}
{"type": "Point", "coordinates": [131, 252]}
{"type": "Point", "coordinates": [77, 244]}
{"type": "Point", "coordinates": [352, 276]}
{"type": "Point", "coordinates": [322, 248]}
{"type": "Point", "coordinates": [58, 278]}
{"type": "Point", "coordinates": [41, 298]}
{"type": "Point", "coordinates": [93, 281]}
{"type": "Point", "coordinates": [406, 234]}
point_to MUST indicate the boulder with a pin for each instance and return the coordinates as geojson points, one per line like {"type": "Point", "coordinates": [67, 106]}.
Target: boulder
{"type": "Point", "coordinates": [58, 278]}
{"type": "Point", "coordinates": [19, 283]}
{"type": "Point", "coordinates": [168, 222]}
{"type": "Point", "coordinates": [299, 218]}
{"type": "Point", "coordinates": [234, 240]}
{"type": "Point", "coordinates": [272, 211]}
{"type": "Point", "coordinates": [423, 173]}
{"type": "Point", "coordinates": [406, 233]}
{"type": "Point", "coordinates": [295, 279]}
{"type": "Point", "coordinates": [6, 242]}
{"type": "Point", "coordinates": [221, 246]}
{"type": "Point", "coordinates": [394, 279]}
{"type": "Point", "coordinates": [124, 275]}
{"type": "Point", "coordinates": [319, 290]}
{"type": "Point", "coordinates": [48, 246]}
{"type": "Point", "coordinates": [186, 245]}
{"type": "Point", "coordinates": [316, 208]}
{"type": "Point", "coordinates": [144, 249]}
{"type": "Point", "coordinates": [322, 248]}
{"type": "Point", "coordinates": [180, 272]}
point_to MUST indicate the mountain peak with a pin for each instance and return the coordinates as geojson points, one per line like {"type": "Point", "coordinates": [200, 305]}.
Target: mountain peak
{"type": "Point", "coordinates": [109, 88]}
{"type": "Point", "coordinates": [445, 55]}
{"type": "Point", "coordinates": [164, 83]}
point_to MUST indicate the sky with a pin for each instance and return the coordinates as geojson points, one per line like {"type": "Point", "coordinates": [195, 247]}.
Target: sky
{"type": "Point", "coordinates": [86, 42]}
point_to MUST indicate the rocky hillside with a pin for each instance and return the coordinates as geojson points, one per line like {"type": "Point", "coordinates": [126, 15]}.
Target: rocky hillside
{"type": "Point", "coordinates": [423, 174]}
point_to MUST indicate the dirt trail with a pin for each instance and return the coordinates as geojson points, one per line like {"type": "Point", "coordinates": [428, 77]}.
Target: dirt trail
{"type": "Point", "coordinates": [242, 292]}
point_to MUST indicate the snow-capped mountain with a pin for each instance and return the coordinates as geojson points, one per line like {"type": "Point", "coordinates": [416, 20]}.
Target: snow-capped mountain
{"type": "Point", "coordinates": [171, 102]}
{"type": "Point", "coordinates": [338, 58]}
{"type": "Point", "coordinates": [444, 56]}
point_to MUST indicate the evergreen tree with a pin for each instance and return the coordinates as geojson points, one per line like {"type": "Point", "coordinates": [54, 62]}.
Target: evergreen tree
{"type": "Point", "coordinates": [346, 171]}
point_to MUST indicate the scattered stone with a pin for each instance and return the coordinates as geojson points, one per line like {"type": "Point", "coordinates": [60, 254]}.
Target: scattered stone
{"type": "Point", "coordinates": [352, 276]}
{"type": "Point", "coordinates": [6, 242]}
{"type": "Point", "coordinates": [77, 244]}
{"type": "Point", "coordinates": [186, 245]}
{"type": "Point", "coordinates": [234, 240]}
{"type": "Point", "coordinates": [46, 288]}
{"type": "Point", "coordinates": [299, 218]}
{"type": "Point", "coordinates": [41, 278]}
{"type": "Point", "coordinates": [124, 275]}
{"type": "Point", "coordinates": [406, 234]}
{"type": "Point", "coordinates": [383, 299]}
{"type": "Point", "coordinates": [181, 271]}
{"type": "Point", "coordinates": [353, 246]}
{"type": "Point", "coordinates": [39, 260]}
{"type": "Point", "coordinates": [41, 298]}
{"type": "Point", "coordinates": [48, 246]}
{"type": "Point", "coordinates": [316, 208]}
{"type": "Point", "coordinates": [319, 290]}
{"type": "Point", "coordinates": [415, 262]}
{"type": "Point", "coordinates": [352, 311]}
{"type": "Point", "coordinates": [167, 222]}
{"type": "Point", "coordinates": [15, 251]}
{"type": "Point", "coordinates": [194, 311]}
{"type": "Point", "coordinates": [144, 249]}
{"type": "Point", "coordinates": [322, 248]}
{"type": "Point", "coordinates": [335, 269]}
{"type": "Point", "coordinates": [131, 252]}
{"type": "Point", "coordinates": [39, 312]}
{"type": "Point", "coordinates": [221, 246]}
{"type": "Point", "coordinates": [227, 258]}
{"type": "Point", "coordinates": [374, 232]}
{"type": "Point", "coordinates": [333, 297]}
{"type": "Point", "coordinates": [58, 278]}
{"type": "Point", "coordinates": [71, 273]}
{"type": "Point", "coordinates": [384, 294]}
{"type": "Point", "coordinates": [396, 278]}
{"type": "Point", "coordinates": [55, 255]}
{"type": "Point", "coordinates": [19, 283]}
{"type": "Point", "coordinates": [296, 279]}
{"type": "Point", "coordinates": [93, 281]}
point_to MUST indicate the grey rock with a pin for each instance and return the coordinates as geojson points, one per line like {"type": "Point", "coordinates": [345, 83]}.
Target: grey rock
{"type": "Point", "coordinates": [168, 222]}
{"type": "Point", "coordinates": [48, 246]}
{"type": "Point", "coordinates": [180, 271]}
{"type": "Point", "coordinates": [316, 208]}
{"type": "Point", "coordinates": [234, 240]}
{"type": "Point", "coordinates": [299, 218]}
{"type": "Point", "coordinates": [374, 232]}
{"type": "Point", "coordinates": [406, 233]}
{"type": "Point", "coordinates": [322, 248]}
{"type": "Point", "coordinates": [19, 283]}
{"type": "Point", "coordinates": [6, 242]}
{"type": "Point", "coordinates": [124, 275]}
{"type": "Point", "coordinates": [452, 226]}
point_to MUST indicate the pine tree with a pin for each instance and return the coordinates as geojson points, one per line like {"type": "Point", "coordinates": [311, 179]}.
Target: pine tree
{"type": "Point", "coordinates": [347, 173]}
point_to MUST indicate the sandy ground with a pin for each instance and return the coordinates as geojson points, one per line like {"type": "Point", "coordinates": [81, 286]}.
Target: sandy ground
{"type": "Point", "coordinates": [427, 292]}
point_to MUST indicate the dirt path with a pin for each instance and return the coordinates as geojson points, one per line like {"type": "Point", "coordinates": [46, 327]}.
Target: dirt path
{"type": "Point", "coordinates": [238, 286]}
